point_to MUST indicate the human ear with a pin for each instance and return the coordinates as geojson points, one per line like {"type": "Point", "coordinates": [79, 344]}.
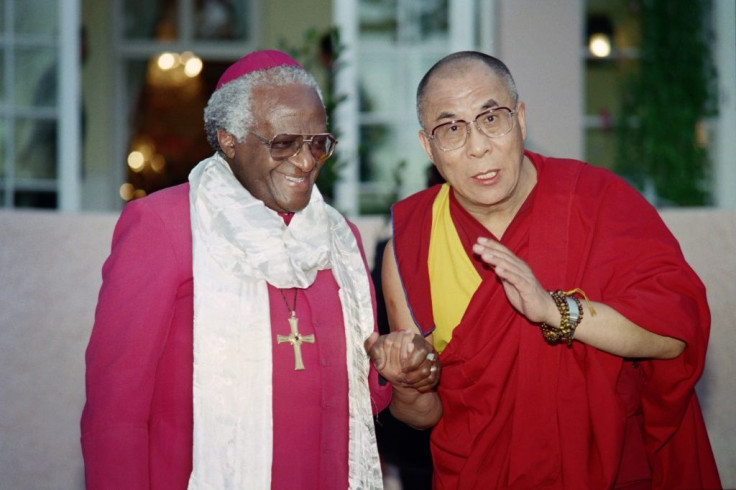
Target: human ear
{"type": "Point", "coordinates": [227, 142]}
{"type": "Point", "coordinates": [521, 118]}
{"type": "Point", "coordinates": [424, 140]}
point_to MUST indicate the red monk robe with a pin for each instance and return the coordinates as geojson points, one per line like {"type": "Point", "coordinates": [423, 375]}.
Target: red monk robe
{"type": "Point", "coordinates": [519, 413]}
{"type": "Point", "coordinates": [137, 423]}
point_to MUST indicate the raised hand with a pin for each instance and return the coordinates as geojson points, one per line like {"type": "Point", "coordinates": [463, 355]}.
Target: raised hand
{"type": "Point", "coordinates": [522, 288]}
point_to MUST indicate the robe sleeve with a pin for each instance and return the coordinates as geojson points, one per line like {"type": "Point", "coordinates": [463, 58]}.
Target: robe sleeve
{"type": "Point", "coordinates": [380, 393]}
{"type": "Point", "coordinates": [644, 276]}
{"type": "Point", "coordinates": [132, 320]}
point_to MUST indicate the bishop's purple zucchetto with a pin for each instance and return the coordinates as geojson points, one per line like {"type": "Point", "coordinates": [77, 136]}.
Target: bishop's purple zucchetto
{"type": "Point", "coordinates": [257, 60]}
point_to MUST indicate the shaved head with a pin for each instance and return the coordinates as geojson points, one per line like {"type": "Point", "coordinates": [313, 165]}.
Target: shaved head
{"type": "Point", "coordinates": [455, 64]}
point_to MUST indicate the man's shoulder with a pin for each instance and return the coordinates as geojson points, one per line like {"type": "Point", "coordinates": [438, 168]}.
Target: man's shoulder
{"type": "Point", "coordinates": [165, 212]}
{"type": "Point", "coordinates": [576, 175]}
{"type": "Point", "coordinates": [171, 203]}
{"type": "Point", "coordinates": [415, 211]}
{"type": "Point", "coordinates": [177, 195]}
{"type": "Point", "coordinates": [416, 199]}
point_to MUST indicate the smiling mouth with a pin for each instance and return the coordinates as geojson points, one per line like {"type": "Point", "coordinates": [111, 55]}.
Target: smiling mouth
{"type": "Point", "coordinates": [296, 180]}
{"type": "Point", "coordinates": [487, 176]}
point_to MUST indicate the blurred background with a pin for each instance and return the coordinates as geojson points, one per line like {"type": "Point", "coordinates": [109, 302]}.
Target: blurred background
{"type": "Point", "coordinates": [101, 101]}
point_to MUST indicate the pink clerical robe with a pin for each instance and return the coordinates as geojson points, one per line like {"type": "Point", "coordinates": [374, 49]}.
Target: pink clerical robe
{"type": "Point", "coordinates": [137, 422]}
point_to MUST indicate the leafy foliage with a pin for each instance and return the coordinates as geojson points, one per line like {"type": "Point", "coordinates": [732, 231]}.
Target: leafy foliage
{"type": "Point", "coordinates": [661, 133]}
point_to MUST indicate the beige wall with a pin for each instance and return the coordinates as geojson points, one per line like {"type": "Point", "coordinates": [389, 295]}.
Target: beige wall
{"type": "Point", "coordinates": [708, 240]}
{"type": "Point", "coordinates": [50, 265]}
{"type": "Point", "coordinates": [540, 42]}
{"type": "Point", "coordinates": [50, 269]}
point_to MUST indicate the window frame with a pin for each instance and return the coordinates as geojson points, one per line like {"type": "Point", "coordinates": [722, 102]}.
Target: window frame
{"type": "Point", "coordinates": [64, 34]}
{"type": "Point", "coordinates": [464, 32]}
{"type": "Point", "coordinates": [141, 50]}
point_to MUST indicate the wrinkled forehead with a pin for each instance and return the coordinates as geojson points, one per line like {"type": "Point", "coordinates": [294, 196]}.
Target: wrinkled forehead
{"type": "Point", "coordinates": [299, 96]}
{"type": "Point", "coordinates": [461, 90]}
{"type": "Point", "coordinates": [462, 73]}
{"type": "Point", "coordinates": [290, 108]}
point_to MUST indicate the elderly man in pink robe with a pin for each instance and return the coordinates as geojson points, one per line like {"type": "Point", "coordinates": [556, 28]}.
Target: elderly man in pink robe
{"type": "Point", "coordinates": [228, 346]}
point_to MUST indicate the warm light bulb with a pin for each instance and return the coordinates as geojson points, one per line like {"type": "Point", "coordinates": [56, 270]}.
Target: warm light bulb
{"type": "Point", "coordinates": [136, 161]}
{"type": "Point", "coordinates": [166, 61]}
{"type": "Point", "coordinates": [599, 45]}
{"type": "Point", "coordinates": [158, 162]}
{"type": "Point", "coordinates": [193, 67]}
{"type": "Point", "coordinates": [126, 191]}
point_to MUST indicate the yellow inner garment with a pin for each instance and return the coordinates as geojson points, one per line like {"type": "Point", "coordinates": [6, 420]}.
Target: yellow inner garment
{"type": "Point", "coordinates": [453, 278]}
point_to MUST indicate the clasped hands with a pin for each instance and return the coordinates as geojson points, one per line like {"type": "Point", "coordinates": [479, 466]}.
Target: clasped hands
{"type": "Point", "coordinates": [405, 359]}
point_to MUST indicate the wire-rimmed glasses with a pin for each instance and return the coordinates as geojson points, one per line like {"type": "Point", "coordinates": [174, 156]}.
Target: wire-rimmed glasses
{"type": "Point", "coordinates": [493, 123]}
{"type": "Point", "coordinates": [285, 145]}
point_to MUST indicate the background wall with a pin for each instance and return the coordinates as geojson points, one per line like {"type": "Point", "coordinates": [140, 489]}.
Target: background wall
{"type": "Point", "coordinates": [50, 267]}
{"type": "Point", "coordinates": [539, 41]}
{"type": "Point", "coordinates": [50, 264]}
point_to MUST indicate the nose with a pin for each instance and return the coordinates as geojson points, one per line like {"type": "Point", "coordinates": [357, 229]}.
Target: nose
{"type": "Point", "coordinates": [478, 144]}
{"type": "Point", "coordinates": [303, 158]}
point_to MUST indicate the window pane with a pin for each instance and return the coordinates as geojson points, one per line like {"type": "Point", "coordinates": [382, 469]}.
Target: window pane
{"type": "Point", "coordinates": [403, 21]}
{"type": "Point", "coordinates": [35, 199]}
{"type": "Point", "coordinates": [600, 147]}
{"type": "Point", "coordinates": [604, 81]}
{"type": "Point", "coordinates": [3, 149]}
{"type": "Point", "coordinates": [222, 19]}
{"type": "Point", "coordinates": [380, 153]}
{"type": "Point", "coordinates": [36, 149]}
{"type": "Point", "coordinates": [36, 16]}
{"type": "Point", "coordinates": [384, 161]}
{"type": "Point", "coordinates": [378, 19]}
{"type": "Point", "coordinates": [150, 19]}
{"type": "Point", "coordinates": [427, 20]}
{"type": "Point", "coordinates": [418, 63]}
{"type": "Point", "coordinates": [3, 94]}
{"type": "Point", "coordinates": [376, 198]}
{"type": "Point", "coordinates": [36, 77]}
{"type": "Point", "coordinates": [623, 18]}
{"type": "Point", "coordinates": [375, 74]}
{"type": "Point", "coordinates": [211, 19]}
{"type": "Point", "coordinates": [166, 137]}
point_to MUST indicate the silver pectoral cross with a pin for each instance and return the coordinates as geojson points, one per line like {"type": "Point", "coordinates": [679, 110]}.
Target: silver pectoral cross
{"type": "Point", "coordinates": [296, 339]}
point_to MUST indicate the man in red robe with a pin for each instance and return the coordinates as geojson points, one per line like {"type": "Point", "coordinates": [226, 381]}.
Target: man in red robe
{"type": "Point", "coordinates": [228, 345]}
{"type": "Point", "coordinates": [571, 329]}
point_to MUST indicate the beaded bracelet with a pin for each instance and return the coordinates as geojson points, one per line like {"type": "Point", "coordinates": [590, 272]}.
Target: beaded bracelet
{"type": "Point", "coordinates": [571, 314]}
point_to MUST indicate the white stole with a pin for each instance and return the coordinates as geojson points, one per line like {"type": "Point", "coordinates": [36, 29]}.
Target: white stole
{"type": "Point", "coordinates": [240, 245]}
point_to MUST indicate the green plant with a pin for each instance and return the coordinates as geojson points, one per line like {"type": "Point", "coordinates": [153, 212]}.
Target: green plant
{"type": "Point", "coordinates": [664, 106]}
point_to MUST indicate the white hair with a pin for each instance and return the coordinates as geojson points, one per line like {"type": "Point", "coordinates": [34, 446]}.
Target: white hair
{"type": "Point", "coordinates": [229, 108]}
